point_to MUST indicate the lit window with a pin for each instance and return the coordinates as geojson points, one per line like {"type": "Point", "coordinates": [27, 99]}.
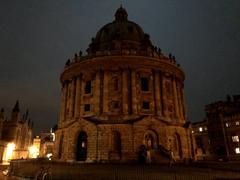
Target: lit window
{"type": "Point", "coordinates": [227, 125]}
{"type": "Point", "coordinates": [200, 129]}
{"type": "Point", "coordinates": [237, 150]}
{"type": "Point", "coordinates": [205, 128]}
{"type": "Point", "coordinates": [192, 132]}
{"type": "Point", "coordinates": [237, 123]}
{"type": "Point", "coordinates": [235, 138]}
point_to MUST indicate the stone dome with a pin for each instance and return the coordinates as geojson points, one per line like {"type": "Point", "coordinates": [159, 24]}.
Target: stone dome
{"type": "Point", "coordinates": [120, 34]}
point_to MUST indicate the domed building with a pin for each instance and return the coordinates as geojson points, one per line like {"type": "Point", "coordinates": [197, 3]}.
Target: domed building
{"type": "Point", "coordinates": [123, 101]}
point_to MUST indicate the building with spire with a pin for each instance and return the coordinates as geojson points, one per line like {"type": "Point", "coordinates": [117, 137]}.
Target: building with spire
{"type": "Point", "coordinates": [17, 132]}
{"type": "Point", "coordinates": [123, 101]}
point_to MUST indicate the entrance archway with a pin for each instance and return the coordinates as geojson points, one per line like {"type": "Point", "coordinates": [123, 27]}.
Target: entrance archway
{"type": "Point", "coordinates": [177, 146]}
{"type": "Point", "coordinates": [150, 140]}
{"type": "Point", "coordinates": [116, 146]}
{"type": "Point", "coordinates": [81, 146]}
{"type": "Point", "coordinates": [116, 139]}
{"type": "Point", "coordinates": [149, 148]}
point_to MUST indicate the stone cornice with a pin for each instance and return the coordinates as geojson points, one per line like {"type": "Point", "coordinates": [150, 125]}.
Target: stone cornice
{"type": "Point", "coordinates": [123, 62]}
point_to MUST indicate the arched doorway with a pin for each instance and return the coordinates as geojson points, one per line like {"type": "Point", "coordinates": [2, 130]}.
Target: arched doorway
{"type": "Point", "coordinates": [177, 146]}
{"type": "Point", "coordinates": [149, 147]}
{"type": "Point", "coordinates": [116, 148]}
{"type": "Point", "coordinates": [150, 140]}
{"type": "Point", "coordinates": [81, 146]}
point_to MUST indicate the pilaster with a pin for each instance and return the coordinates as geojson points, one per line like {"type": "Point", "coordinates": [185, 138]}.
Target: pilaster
{"type": "Point", "coordinates": [77, 97]}
{"type": "Point", "coordinates": [125, 92]}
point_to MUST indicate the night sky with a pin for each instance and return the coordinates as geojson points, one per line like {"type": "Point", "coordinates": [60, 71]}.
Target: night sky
{"type": "Point", "coordinates": [37, 37]}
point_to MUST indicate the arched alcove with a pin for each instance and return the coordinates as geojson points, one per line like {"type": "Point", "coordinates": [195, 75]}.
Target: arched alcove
{"type": "Point", "coordinates": [81, 153]}
{"type": "Point", "coordinates": [150, 139]}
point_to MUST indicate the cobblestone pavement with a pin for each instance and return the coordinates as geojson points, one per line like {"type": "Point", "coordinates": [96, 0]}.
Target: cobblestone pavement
{"type": "Point", "coordinates": [146, 172]}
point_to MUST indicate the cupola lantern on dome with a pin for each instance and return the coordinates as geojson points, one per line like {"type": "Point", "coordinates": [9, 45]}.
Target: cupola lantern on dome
{"type": "Point", "coordinates": [121, 14]}
{"type": "Point", "coordinates": [120, 34]}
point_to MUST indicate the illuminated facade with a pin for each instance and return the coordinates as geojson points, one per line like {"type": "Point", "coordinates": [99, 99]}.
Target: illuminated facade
{"type": "Point", "coordinates": [218, 136]}
{"type": "Point", "coordinates": [47, 142]}
{"type": "Point", "coordinates": [34, 150]}
{"type": "Point", "coordinates": [16, 134]}
{"type": "Point", "coordinates": [122, 97]}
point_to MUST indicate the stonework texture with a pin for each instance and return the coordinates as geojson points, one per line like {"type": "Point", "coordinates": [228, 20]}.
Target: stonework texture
{"type": "Point", "coordinates": [123, 98]}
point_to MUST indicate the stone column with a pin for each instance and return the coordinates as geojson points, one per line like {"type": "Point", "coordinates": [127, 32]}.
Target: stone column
{"type": "Point", "coordinates": [179, 101]}
{"type": "Point", "coordinates": [125, 91]}
{"type": "Point", "coordinates": [82, 92]}
{"type": "Point", "coordinates": [77, 97]}
{"type": "Point", "coordinates": [101, 92]}
{"type": "Point", "coordinates": [72, 98]}
{"type": "Point", "coordinates": [63, 102]}
{"type": "Point", "coordinates": [105, 91]}
{"type": "Point", "coordinates": [164, 98]}
{"type": "Point", "coordinates": [183, 104]}
{"type": "Point", "coordinates": [66, 101]}
{"type": "Point", "coordinates": [134, 92]}
{"type": "Point", "coordinates": [97, 92]}
{"type": "Point", "coordinates": [157, 98]}
{"type": "Point", "coordinates": [175, 97]}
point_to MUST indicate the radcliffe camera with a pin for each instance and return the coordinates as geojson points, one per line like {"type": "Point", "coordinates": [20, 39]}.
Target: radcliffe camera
{"type": "Point", "coordinates": [119, 90]}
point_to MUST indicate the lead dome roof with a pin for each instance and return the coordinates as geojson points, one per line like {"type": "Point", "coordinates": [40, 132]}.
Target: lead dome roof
{"type": "Point", "coordinates": [120, 34]}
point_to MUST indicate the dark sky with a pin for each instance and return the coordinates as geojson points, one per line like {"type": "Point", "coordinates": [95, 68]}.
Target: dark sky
{"type": "Point", "coordinates": [37, 37]}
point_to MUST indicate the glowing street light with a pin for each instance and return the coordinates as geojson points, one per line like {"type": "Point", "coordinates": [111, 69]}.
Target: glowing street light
{"type": "Point", "coordinates": [33, 152]}
{"type": "Point", "coordinates": [9, 152]}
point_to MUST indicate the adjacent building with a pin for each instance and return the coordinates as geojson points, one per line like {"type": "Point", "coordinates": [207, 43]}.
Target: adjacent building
{"type": "Point", "coordinates": [15, 134]}
{"type": "Point", "coordinates": [217, 137]}
{"type": "Point", "coordinates": [46, 144]}
{"type": "Point", "coordinates": [121, 98]}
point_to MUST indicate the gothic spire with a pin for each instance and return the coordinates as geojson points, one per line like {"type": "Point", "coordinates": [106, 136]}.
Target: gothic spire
{"type": "Point", "coordinates": [26, 117]}
{"type": "Point", "coordinates": [2, 113]}
{"type": "Point", "coordinates": [16, 107]}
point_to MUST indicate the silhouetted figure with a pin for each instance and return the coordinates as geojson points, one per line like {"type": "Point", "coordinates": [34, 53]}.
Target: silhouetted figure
{"type": "Point", "coordinates": [170, 56]}
{"type": "Point", "coordinates": [142, 154]}
{"type": "Point", "coordinates": [80, 53]}
{"type": "Point", "coordinates": [75, 56]}
{"type": "Point", "coordinates": [174, 59]}
{"type": "Point", "coordinates": [68, 62]}
{"type": "Point", "coordinates": [228, 98]}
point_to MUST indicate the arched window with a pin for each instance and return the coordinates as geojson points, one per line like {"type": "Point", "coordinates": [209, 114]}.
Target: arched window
{"type": "Point", "coordinates": [82, 146]}
{"type": "Point", "coordinates": [88, 87]}
{"type": "Point", "coordinates": [115, 84]}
